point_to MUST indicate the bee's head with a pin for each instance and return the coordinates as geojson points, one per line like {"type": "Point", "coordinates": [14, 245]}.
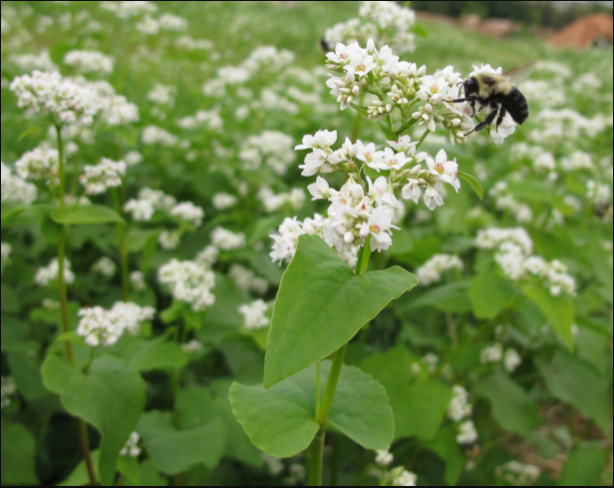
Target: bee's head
{"type": "Point", "coordinates": [471, 86]}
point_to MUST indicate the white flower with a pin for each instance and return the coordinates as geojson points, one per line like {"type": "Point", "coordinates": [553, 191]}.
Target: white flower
{"type": "Point", "coordinates": [381, 191]}
{"type": "Point", "coordinates": [161, 94]}
{"type": "Point", "coordinates": [100, 327]}
{"type": "Point", "coordinates": [141, 210]}
{"type": "Point", "coordinates": [153, 135]}
{"type": "Point", "coordinates": [492, 354]}
{"type": "Point", "coordinates": [459, 408]}
{"type": "Point", "coordinates": [368, 154]}
{"type": "Point", "coordinates": [193, 347]}
{"type": "Point", "coordinates": [431, 271]}
{"type": "Point", "coordinates": [44, 276]}
{"type": "Point", "coordinates": [39, 164]}
{"type": "Point", "coordinates": [467, 433]}
{"type": "Point", "coordinates": [444, 170]}
{"type": "Point", "coordinates": [188, 212]}
{"type": "Point", "coordinates": [391, 160]}
{"type": "Point", "coordinates": [16, 190]}
{"type": "Point", "coordinates": [98, 179]}
{"type": "Point", "coordinates": [137, 279]}
{"type": "Point", "coordinates": [132, 446]}
{"type": "Point", "coordinates": [380, 225]}
{"type": "Point", "coordinates": [506, 129]}
{"type": "Point", "coordinates": [174, 23]}
{"type": "Point", "coordinates": [323, 139]}
{"type": "Point", "coordinates": [314, 162]}
{"type": "Point", "coordinates": [226, 240]}
{"type": "Point", "coordinates": [132, 158]}
{"type": "Point", "coordinates": [31, 62]}
{"type": "Point", "coordinates": [290, 230]}
{"type": "Point", "coordinates": [400, 477]}
{"type": "Point", "coordinates": [247, 280]}
{"type": "Point", "coordinates": [383, 458]}
{"type": "Point", "coordinates": [412, 191]}
{"type": "Point", "coordinates": [254, 314]}
{"type": "Point", "coordinates": [105, 267]}
{"type": "Point", "coordinates": [120, 111]}
{"type": "Point", "coordinates": [169, 240]}
{"type": "Point", "coordinates": [223, 201]}
{"type": "Point", "coordinates": [517, 474]}
{"type": "Point", "coordinates": [276, 467]}
{"type": "Point", "coordinates": [7, 389]}
{"type": "Point", "coordinates": [320, 190]}
{"type": "Point", "coordinates": [89, 61]}
{"type": "Point", "coordinates": [432, 198]}
{"type": "Point", "coordinates": [6, 251]}
{"type": "Point", "coordinates": [403, 144]}
{"type": "Point", "coordinates": [208, 256]}
{"type": "Point", "coordinates": [512, 360]}
{"type": "Point", "coordinates": [189, 282]}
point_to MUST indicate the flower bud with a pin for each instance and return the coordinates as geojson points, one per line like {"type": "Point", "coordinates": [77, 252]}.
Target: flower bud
{"type": "Point", "coordinates": [422, 71]}
{"type": "Point", "coordinates": [348, 237]}
{"type": "Point", "coordinates": [388, 108]}
{"type": "Point", "coordinates": [350, 78]}
{"type": "Point", "coordinates": [429, 108]}
{"type": "Point", "coordinates": [371, 47]}
{"type": "Point", "coordinates": [356, 90]}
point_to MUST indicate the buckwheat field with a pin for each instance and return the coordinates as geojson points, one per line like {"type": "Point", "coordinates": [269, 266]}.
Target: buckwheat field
{"type": "Point", "coordinates": [253, 244]}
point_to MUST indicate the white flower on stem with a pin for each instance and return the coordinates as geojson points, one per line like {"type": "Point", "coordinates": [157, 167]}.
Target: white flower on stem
{"type": "Point", "coordinates": [223, 201]}
{"type": "Point", "coordinates": [208, 256]}
{"type": "Point", "coordinates": [137, 278]}
{"type": "Point", "coordinates": [290, 230]}
{"type": "Point", "coordinates": [89, 61]}
{"type": "Point", "coordinates": [342, 54]}
{"type": "Point", "coordinates": [47, 275]}
{"type": "Point", "coordinates": [247, 280]}
{"type": "Point", "coordinates": [7, 389]}
{"type": "Point", "coordinates": [226, 240]}
{"type": "Point", "coordinates": [132, 158]}
{"type": "Point", "coordinates": [98, 179]}
{"type": "Point", "coordinates": [320, 190]}
{"type": "Point", "coordinates": [100, 327]}
{"type": "Point", "coordinates": [381, 192]}
{"type": "Point", "coordinates": [431, 271]}
{"type": "Point", "coordinates": [132, 446]}
{"type": "Point", "coordinates": [384, 459]}
{"type": "Point", "coordinates": [444, 170]}
{"type": "Point", "coordinates": [512, 360]}
{"type": "Point", "coordinates": [254, 315]}
{"type": "Point", "coordinates": [16, 190]}
{"type": "Point", "coordinates": [323, 139]}
{"type": "Point", "coordinates": [6, 251]}
{"type": "Point", "coordinates": [380, 225]}
{"type": "Point", "coordinates": [506, 129]}
{"type": "Point", "coordinates": [432, 198]}
{"type": "Point", "coordinates": [390, 161]}
{"type": "Point", "coordinates": [189, 282]}
{"type": "Point", "coordinates": [493, 354]}
{"type": "Point", "coordinates": [39, 164]}
{"type": "Point", "coordinates": [459, 408]}
{"type": "Point", "coordinates": [105, 267]}
{"type": "Point", "coordinates": [412, 191]}
{"type": "Point", "coordinates": [403, 144]}
{"type": "Point", "coordinates": [401, 477]}
{"type": "Point", "coordinates": [368, 154]}
{"type": "Point", "coordinates": [188, 212]}
{"type": "Point", "coordinates": [467, 433]}
{"type": "Point", "coordinates": [314, 163]}
{"type": "Point", "coordinates": [169, 240]}
{"type": "Point", "coordinates": [141, 210]}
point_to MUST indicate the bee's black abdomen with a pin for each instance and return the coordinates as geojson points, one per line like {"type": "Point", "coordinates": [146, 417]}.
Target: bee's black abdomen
{"type": "Point", "coordinates": [516, 104]}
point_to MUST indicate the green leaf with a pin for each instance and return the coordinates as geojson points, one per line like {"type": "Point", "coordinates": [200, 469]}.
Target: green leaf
{"type": "Point", "coordinates": [175, 451]}
{"type": "Point", "coordinates": [9, 214]}
{"type": "Point", "coordinates": [91, 214]}
{"type": "Point", "coordinates": [419, 406]}
{"type": "Point", "coordinates": [281, 420]}
{"type": "Point", "coordinates": [513, 408]}
{"type": "Point", "coordinates": [80, 476]}
{"type": "Point", "coordinates": [474, 182]}
{"type": "Point", "coordinates": [149, 476]}
{"type": "Point", "coordinates": [129, 467]}
{"type": "Point", "coordinates": [584, 466]}
{"type": "Point", "coordinates": [32, 130]}
{"type": "Point", "coordinates": [263, 228]}
{"type": "Point", "coordinates": [156, 355]}
{"type": "Point", "coordinates": [18, 456]}
{"type": "Point", "coordinates": [321, 305]}
{"type": "Point", "coordinates": [448, 449]}
{"type": "Point", "coordinates": [420, 31]}
{"type": "Point", "coordinates": [559, 311]}
{"type": "Point", "coordinates": [138, 238]}
{"type": "Point", "coordinates": [111, 398]}
{"type": "Point", "coordinates": [447, 298]}
{"type": "Point", "coordinates": [490, 295]}
{"type": "Point", "coordinates": [25, 370]}
{"type": "Point", "coordinates": [571, 380]}
{"type": "Point", "coordinates": [362, 110]}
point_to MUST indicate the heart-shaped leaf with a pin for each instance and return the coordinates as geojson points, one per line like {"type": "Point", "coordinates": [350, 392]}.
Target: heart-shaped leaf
{"type": "Point", "coordinates": [111, 398]}
{"type": "Point", "coordinates": [281, 420]}
{"type": "Point", "coordinates": [174, 451]}
{"type": "Point", "coordinates": [87, 215]}
{"type": "Point", "coordinates": [322, 305]}
{"type": "Point", "coordinates": [559, 310]}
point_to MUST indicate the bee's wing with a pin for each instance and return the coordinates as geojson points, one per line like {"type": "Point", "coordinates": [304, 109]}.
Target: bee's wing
{"type": "Point", "coordinates": [519, 75]}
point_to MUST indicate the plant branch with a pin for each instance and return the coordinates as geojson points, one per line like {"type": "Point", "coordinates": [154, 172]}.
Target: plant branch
{"type": "Point", "coordinates": [123, 252]}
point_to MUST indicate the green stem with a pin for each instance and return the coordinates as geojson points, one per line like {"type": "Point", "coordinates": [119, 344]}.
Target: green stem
{"type": "Point", "coordinates": [316, 457]}
{"type": "Point", "coordinates": [334, 461]}
{"type": "Point", "coordinates": [424, 136]}
{"type": "Point", "coordinates": [318, 392]}
{"type": "Point", "coordinates": [85, 444]}
{"type": "Point", "coordinates": [331, 386]}
{"type": "Point", "coordinates": [90, 361]}
{"type": "Point", "coordinates": [123, 253]}
{"type": "Point", "coordinates": [356, 129]}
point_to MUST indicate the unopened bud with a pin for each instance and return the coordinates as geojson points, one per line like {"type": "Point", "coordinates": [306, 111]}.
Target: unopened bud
{"type": "Point", "coordinates": [371, 47]}
{"type": "Point", "coordinates": [350, 99]}
{"type": "Point", "coordinates": [425, 117]}
{"type": "Point", "coordinates": [350, 78]}
{"type": "Point", "coordinates": [415, 170]}
{"type": "Point", "coordinates": [339, 82]}
{"type": "Point", "coordinates": [388, 108]}
{"type": "Point", "coordinates": [348, 237]}
{"type": "Point", "coordinates": [429, 108]}
{"type": "Point", "coordinates": [422, 71]}
{"type": "Point", "coordinates": [355, 90]}
{"type": "Point", "coordinates": [381, 110]}
{"type": "Point", "coordinates": [415, 115]}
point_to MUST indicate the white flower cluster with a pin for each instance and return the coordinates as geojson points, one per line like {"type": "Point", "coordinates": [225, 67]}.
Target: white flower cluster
{"type": "Point", "coordinates": [100, 327]}
{"type": "Point", "coordinates": [127, 9]}
{"type": "Point", "coordinates": [137, 278]}
{"type": "Point", "coordinates": [273, 202]}
{"type": "Point", "coordinates": [6, 251]}
{"type": "Point", "coordinates": [255, 315]}
{"type": "Point", "coordinates": [105, 267]}
{"type": "Point", "coordinates": [599, 194]}
{"type": "Point", "coordinates": [271, 148]}
{"type": "Point", "coordinates": [169, 240]}
{"type": "Point", "coordinates": [98, 179]}
{"type": "Point", "coordinates": [39, 164]}
{"type": "Point", "coordinates": [398, 477]}
{"type": "Point", "coordinates": [226, 240]}
{"type": "Point", "coordinates": [67, 100]}
{"type": "Point", "coordinates": [269, 58]}
{"type": "Point", "coordinates": [494, 354]}
{"type": "Point", "coordinates": [561, 126]}
{"type": "Point", "coordinates": [7, 389]}
{"type": "Point", "coordinates": [132, 446]}
{"type": "Point", "coordinates": [208, 256]}
{"type": "Point", "coordinates": [208, 119]}
{"type": "Point", "coordinates": [493, 238]}
{"type": "Point", "coordinates": [30, 62]}
{"type": "Point", "coordinates": [383, 459]}
{"type": "Point", "coordinates": [189, 282]}
{"type": "Point", "coordinates": [507, 203]}
{"type": "Point", "coordinates": [578, 161]}
{"type": "Point", "coordinates": [153, 135]}
{"type": "Point", "coordinates": [47, 275]}
{"type": "Point", "coordinates": [190, 44]}
{"type": "Point", "coordinates": [223, 201]}
{"type": "Point", "coordinates": [16, 190]}
{"type": "Point", "coordinates": [119, 111]}
{"type": "Point", "coordinates": [460, 408]}
{"type": "Point", "coordinates": [149, 201]}
{"type": "Point", "coordinates": [173, 23]}
{"type": "Point", "coordinates": [247, 280]}
{"type": "Point", "coordinates": [162, 94]}
{"type": "Point", "coordinates": [89, 61]}
{"type": "Point", "coordinates": [430, 272]}
{"type": "Point", "coordinates": [385, 19]}
{"type": "Point", "coordinates": [467, 433]}
{"type": "Point", "coordinates": [188, 212]}
{"type": "Point", "coordinates": [517, 474]}
{"type": "Point", "coordinates": [193, 347]}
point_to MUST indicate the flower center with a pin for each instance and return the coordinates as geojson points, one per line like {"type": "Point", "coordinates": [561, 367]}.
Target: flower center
{"type": "Point", "coordinates": [435, 89]}
{"type": "Point", "coordinates": [361, 67]}
{"type": "Point", "coordinates": [376, 229]}
{"type": "Point", "coordinates": [344, 56]}
{"type": "Point", "coordinates": [439, 168]}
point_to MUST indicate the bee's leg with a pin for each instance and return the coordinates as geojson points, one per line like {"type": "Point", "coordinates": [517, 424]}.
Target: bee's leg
{"type": "Point", "coordinates": [489, 120]}
{"type": "Point", "coordinates": [463, 100]}
{"type": "Point", "coordinates": [502, 114]}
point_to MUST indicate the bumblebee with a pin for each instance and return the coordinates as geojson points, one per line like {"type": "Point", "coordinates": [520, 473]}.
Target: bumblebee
{"type": "Point", "coordinates": [499, 93]}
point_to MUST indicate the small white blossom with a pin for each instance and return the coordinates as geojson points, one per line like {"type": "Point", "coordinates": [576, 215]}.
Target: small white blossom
{"type": "Point", "coordinates": [141, 210]}
{"type": "Point", "coordinates": [6, 251]}
{"type": "Point", "coordinates": [223, 201]}
{"type": "Point", "coordinates": [98, 179]}
{"type": "Point", "coordinates": [132, 158]}
{"type": "Point", "coordinates": [226, 240]}
{"type": "Point", "coordinates": [384, 458]}
{"type": "Point", "coordinates": [105, 267]}
{"type": "Point", "coordinates": [517, 474]}
{"type": "Point", "coordinates": [39, 164]}
{"type": "Point", "coordinates": [208, 256]}
{"type": "Point", "coordinates": [8, 388]}
{"type": "Point", "coordinates": [255, 315]}
{"type": "Point", "coordinates": [132, 446]}
{"type": "Point", "coordinates": [247, 280]}
{"type": "Point", "coordinates": [188, 212]}
{"type": "Point", "coordinates": [47, 275]}
{"type": "Point", "coordinates": [467, 433]}
{"type": "Point", "coordinates": [189, 282]}
{"type": "Point", "coordinates": [89, 62]}
{"type": "Point", "coordinates": [492, 354]}
{"type": "Point", "coordinates": [173, 23]}
{"type": "Point", "coordinates": [153, 135]}
{"type": "Point", "coordinates": [459, 408]}
{"type": "Point", "coordinates": [169, 240]}
{"type": "Point", "coordinates": [431, 271]}
{"type": "Point", "coordinates": [512, 360]}
{"type": "Point", "coordinates": [100, 327]}
{"type": "Point", "coordinates": [137, 278]}
{"type": "Point", "coordinates": [16, 190]}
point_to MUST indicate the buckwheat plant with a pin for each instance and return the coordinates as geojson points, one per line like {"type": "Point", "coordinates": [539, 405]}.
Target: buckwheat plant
{"type": "Point", "coordinates": [328, 292]}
